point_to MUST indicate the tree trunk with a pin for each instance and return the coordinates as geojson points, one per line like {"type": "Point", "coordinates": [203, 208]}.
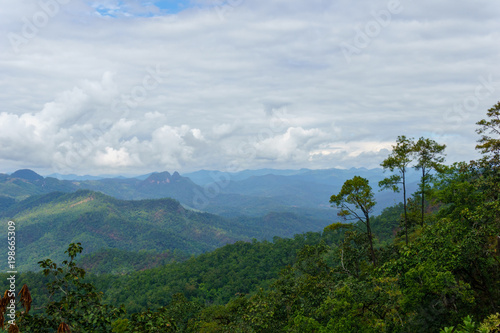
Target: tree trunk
{"type": "Point", "coordinates": [370, 239]}
{"type": "Point", "coordinates": [404, 205]}
{"type": "Point", "coordinates": [423, 189]}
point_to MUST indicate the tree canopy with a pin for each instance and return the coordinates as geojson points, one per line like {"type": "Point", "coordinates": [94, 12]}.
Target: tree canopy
{"type": "Point", "coordinates": [356, 194]}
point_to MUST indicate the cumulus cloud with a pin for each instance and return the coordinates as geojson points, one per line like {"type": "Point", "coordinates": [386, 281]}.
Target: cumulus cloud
{"type": "Point", "coordinates": [71, 134]}
{"type": "Point", "coordinates": [136, 86]}
{"type": "Point", "coordinates": [294, 144]}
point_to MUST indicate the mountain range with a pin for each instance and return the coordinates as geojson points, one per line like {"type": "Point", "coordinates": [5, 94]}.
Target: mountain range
{"type": "Point", "coordinates": [244, 193]}
{"type": "Point", "coordinates": [162, 212]}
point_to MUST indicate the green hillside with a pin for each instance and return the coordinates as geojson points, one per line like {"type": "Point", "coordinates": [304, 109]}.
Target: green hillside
{"type": "Point", "coordinates": [119, 262]}
{"type": "Point", "coordinates": [211, 278]}
{"type": "Point", "coordinates": [45, 224]}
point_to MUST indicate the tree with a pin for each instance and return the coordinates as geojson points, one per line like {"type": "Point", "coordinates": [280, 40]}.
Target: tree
{"type": "Point", "coordinates": [489, 145]}
{"type": "Point", "coordinates": [399, 160]}
{"type": "Point", "coordinates": [356, 194]}
{"type": "Point", "coordinates": [429, 155]}
{"type": "Point", "coordinates": [73, 304]}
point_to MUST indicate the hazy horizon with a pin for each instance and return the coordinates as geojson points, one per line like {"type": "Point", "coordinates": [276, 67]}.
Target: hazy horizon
{"type": "Point", "coordinates": [181, 173]}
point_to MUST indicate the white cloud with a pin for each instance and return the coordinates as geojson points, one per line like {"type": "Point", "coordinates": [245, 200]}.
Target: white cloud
{"type": "Point", "coordinates": [113, 158]}
{"type": "Point", "coordinates": [221, 80]}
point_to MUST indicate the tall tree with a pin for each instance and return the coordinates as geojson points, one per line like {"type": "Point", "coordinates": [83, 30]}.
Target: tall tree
{"type": "Point", "coordinates": [356, 194]}
{"type": "Point", "coordinates": [489, 146]}
{"type": "Point", "coordinates": [399, 160]}
{"type": "Point", "coordinates": [430, 156]}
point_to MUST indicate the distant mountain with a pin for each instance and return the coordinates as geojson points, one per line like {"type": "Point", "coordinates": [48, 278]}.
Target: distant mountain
{"type": "Point", "coordinates": [74, 177]}
{"type": "Point", "coordinates": [304, 189]}
{"type": "Point", "coordinates": [142, 177]}
{"type": "Point", "coordinates": [249, 192]}
{"type": "Point", "coordinates": [156, 186]}
{"type": "Point", "coordinates": [24, 183]}
{"type": "Point", "coordinates": [26, 174]}
{"type": "Point", "coordinates": [324, 176]}
{"type": "Point", "coordinates": [163, 184]}
{"type": "Point", "coordinates": [47, 224]}
{"type": "Point", "coordinates": [203, 177]}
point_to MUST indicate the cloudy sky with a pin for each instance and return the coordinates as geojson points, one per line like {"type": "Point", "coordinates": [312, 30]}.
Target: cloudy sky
{"type": "Point", "coordinates": [134, 86]}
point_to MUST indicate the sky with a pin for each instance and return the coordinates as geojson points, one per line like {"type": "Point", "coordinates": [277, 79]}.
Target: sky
{"type": "Point", "coordinates": [131, 87]}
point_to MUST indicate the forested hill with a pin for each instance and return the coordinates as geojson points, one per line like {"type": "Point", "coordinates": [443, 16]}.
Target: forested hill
{"type": "Point", "coordinates": [46, 224]}
{"type": "Point", "coordinates": [246, 193]}
{"type": "Point", "coordinates": [24, 183]}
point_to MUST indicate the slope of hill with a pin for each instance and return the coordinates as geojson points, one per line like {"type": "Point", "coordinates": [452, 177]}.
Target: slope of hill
{"type": "Point", "coordinates": [24, 183]}
{"type": "Point", "coordinates": [213, 278]}
{"type": "Point", "coordinates": [45, 224]}
{"type": "Point", "coordinates": [120, 262]}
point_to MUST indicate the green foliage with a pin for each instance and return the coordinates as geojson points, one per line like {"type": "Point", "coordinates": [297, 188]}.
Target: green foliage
{"type": "Point", "coordinates": [116, 261]}
{"type": "Point", "coordinates": [211, 278]}
{"type": "Point", "coordinates": [71, 300]}
{"type": "Point", "coordinates": [356, 194]}
{"type": "Point", "coordinates": [429, 156]}
{"type": "Point", "coordinates": [386, 225]}
{"type": "Point", "coordinates": [337, 226]}
{"type": "Point", "coordinates": [120, 325]}
{"type": "Point", "coordinates": [491, 324]}
{"type": "Point", "coordinates": [172, 318]}
{"type": "Point", "coordinates": [489, 145]}
{"type": "Point", "coordinates": [399, 160]}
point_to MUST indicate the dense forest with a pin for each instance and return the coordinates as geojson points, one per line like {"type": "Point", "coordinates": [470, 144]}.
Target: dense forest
{"type": "Point", "coordinates": [429, 264]}
{"type": "Point", "coordinates": [147, 229]}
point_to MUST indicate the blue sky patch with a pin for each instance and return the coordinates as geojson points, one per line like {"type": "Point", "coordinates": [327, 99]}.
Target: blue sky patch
{"type": "Point", "coordinates": [172, 6]}
{"type": "Point", "coordinates": [141, 8]}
